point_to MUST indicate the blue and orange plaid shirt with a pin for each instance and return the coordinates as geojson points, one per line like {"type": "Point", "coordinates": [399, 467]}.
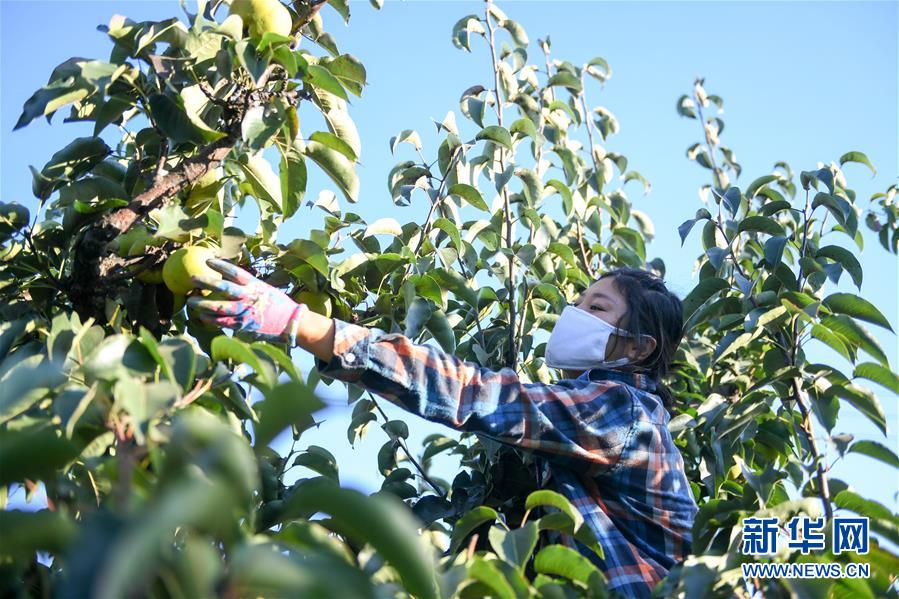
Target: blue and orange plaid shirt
{"type": "Point", "coordinates": [604, 435]}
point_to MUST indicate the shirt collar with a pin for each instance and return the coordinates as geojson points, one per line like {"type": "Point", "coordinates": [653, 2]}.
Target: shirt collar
{"type": "Point", "coordinates": [634, 379]}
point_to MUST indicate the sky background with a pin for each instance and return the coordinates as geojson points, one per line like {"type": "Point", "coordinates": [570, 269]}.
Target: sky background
{"type": "Point", "coordinates": [802, 82]}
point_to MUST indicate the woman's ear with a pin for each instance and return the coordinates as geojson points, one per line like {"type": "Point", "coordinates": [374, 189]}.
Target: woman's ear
{"type": "Point", "coordinates": [637, 352]}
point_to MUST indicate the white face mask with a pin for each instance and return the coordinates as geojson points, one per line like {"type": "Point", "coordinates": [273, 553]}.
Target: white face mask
{"type": "Point", "coordinates": [579, 341]}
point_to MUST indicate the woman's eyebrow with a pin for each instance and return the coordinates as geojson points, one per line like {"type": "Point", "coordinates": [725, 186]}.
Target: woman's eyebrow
{"type": "Point", "coordinates": [602, 296]}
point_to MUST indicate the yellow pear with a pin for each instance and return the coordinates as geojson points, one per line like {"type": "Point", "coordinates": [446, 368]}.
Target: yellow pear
{"type": "Point", "coordinates": [263, 16]}
{"type": "Point", "coordinates": [186, 263]}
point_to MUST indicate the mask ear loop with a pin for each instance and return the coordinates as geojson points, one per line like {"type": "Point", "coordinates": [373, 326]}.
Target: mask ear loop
{"type": "Point", "coordinates": [630, 335]}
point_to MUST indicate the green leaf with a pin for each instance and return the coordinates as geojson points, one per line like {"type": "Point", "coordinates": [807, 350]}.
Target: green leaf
{"type": "Point", "coordinates": [362, 415]}
{"type": "Point", "coordinates": [384, 226]}
{"type": "Point", "coordinates": [463, 30]}
{"type": "Point", "coordinates": [287, 404]}
{"type": "Point", "coordinates": [311, 253]}
{"type": "Point", "coordinates": [774, 250]}
{"type": "Point", "coordinates": [684, 229]}
{"type": "Point", "coordinates": [732, 199]}
{"type": "Point", "coordinates": [685, 106]}
{"type": "Point", "coordinates": [260, 123]}
{"type": "Point", "coordinates": [762, 224]}
{"type": "Point", "coordinates": [455, 282]}
{"type": "Point", "coordinates": [469, 194]}
{"type": "Point", "coordinates": [440, 329]}
{"type": "Point", "coordinates": [173, 120]}
{"type": "Point", "coordinates": [845, 258]}
{"type": "Point", "coordinates": [547, 498]}
{"type": "Point", "coordinates": [863, 400]}
{"type": "Point", "coordinates": [564, 252]}
{"type": "Point", "coordinates": [563, 523]}
{"type": "Point", "coordinates": [468, 523]}
{"type": "Point", "coordinates": [701, 293]}
{"type": "Point", "coordinates": [52, 97]}
{"type": "Point", "coordinates": [318, 459]}
{"type": "Point", "coordinates": [883, 521]}
{"type": "Point", "coordinates": [335, 143]}
{"type": "Point", "coordinates": [490, 578]}
{"type": "Point", "coordinates": [532, 184]}
{"type": "Point", "coordinates": [229, 348]}
{"type": "Point", "coordinates": [774, 207]}
{"type": "Point", "coordinates": [514, 546]}
{"type": "Point", "coordinates": [408, 136]}
{"type": "Point", "coordinates": [853, 501]}
{"type": "Point", "coordinates": [195, 103]}
{"type": "Point", "coordinates": [293, 176]}
{"type": "Point", "coordinates": [559, 560]}
{"type": "Point", "coordinates": [857, 307]}
{"type": "Point", "coordinates": [860, 158]}
{"type": "Point", "coordinates": [879, 374]}
{"type": "Point", "coordinates": [450, 228]}
{"type": "Point", "coordinates": [265, 184]}
{"type": "Point", "coordinates": [380, 520]}
{"type": "Point", "coordinates": [25, 532]}
{"type": "Point", "coordinates": [263, 569]}
{"type": "Point", "coordinates": [207, 503]}
{"type": "Point", "coordinates": [599, 69]}
{"type": "Point", "coordinates": [417, 314]}
{"type": "Point", "coordinates": [516, 31]}
{"type": "Point", "coordinates": [496, 134]}
{"type": "Point", "coordinates": [279, 357]}
{"type": "Point", "coordinates": [33, 453]}
{"type": "Point", "coordinates": [566, 80]}
{"type": "Point", "coordinates": [26, 383]}
{"type": "Point", "coordinates": [342, 7]}
{"type": "Point", "coordinates": [857, 334]}
{"type": "Point", "coordinates": [758, 184]}
{"type": "Point", "coordinates": [825, 175]}
{"type": "Point", "coordinates": [147, 339]}
{"type": "Point", "coordinates": [347, 69]}
{"type": "Point", "coordinates": [396, 429]}
{"type": "Point", "coordinates": [564, 107]}
{"type": "Point", "coordinates": [524, 126]}
{"type": "Point", "coordinates": [338, 118]}
{"type": "Point", "coordinates": [77, 158]}
{"type": "Point", "coordinates": [877, 451]}
{"type": "Point", "coordinates": [336, 166]}
{"type": "Point", "coordinates": [320, 77]}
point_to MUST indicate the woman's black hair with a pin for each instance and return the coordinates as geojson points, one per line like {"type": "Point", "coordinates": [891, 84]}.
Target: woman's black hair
{"type": "Point", "coordinates": [651, 310]}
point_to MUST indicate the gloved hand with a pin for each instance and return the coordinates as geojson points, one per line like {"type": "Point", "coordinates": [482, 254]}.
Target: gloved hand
{"type": "Point", "coordinates": [252, 305]}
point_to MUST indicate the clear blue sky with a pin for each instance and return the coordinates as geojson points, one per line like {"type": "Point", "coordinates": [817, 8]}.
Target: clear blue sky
{"type": "Point", "coordinates": [802, 82]}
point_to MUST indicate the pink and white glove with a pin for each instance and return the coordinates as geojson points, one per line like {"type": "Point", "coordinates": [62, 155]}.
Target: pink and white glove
{"type": "Point", "coordinates": [252, 305]}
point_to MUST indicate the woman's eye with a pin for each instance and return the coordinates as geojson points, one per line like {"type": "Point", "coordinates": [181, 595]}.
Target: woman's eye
{"type": "Point", "coordinates": [595, 308]}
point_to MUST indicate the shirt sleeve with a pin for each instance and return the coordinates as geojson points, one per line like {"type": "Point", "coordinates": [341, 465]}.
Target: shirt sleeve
{"type": "Point", "coordinates": [585, 425]}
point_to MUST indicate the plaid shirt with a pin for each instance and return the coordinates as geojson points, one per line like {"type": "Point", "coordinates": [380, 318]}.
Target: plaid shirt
{"type": "Point", "coordinates": [604, 435]}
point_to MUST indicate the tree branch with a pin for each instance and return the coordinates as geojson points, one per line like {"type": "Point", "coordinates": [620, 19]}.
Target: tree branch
{"type": "Point", "coordinates": [781, 339]}
{"type": "Point", "coordinates": [86, 288]}
{"type": "Point", "coordinates": [405, 448]}
{"type": "Point", "coordinates": [512, 356]}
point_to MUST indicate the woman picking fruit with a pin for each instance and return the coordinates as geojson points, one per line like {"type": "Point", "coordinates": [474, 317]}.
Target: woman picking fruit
{"type": "Point", "coordinates": [602, 428]}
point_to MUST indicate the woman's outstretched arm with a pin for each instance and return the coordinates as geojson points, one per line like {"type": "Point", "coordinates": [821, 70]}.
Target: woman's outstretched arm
{"type": "Point", "coordinates": [584, 424]}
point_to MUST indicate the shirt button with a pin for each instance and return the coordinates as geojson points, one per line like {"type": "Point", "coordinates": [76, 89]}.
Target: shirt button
{"type": "Point", "coordinates": [350, 358]}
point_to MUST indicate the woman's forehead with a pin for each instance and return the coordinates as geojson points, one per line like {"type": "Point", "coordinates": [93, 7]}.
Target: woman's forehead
{"type": "Point", "coordinates": [604, 289]}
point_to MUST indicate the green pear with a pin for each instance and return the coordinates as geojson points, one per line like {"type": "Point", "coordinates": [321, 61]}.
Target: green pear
{"type": "Point", "coordinates": [263, 16]}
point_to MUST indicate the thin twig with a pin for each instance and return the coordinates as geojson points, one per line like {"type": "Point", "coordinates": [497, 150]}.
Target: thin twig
{"type": "Point", "coordinates": [405, 448]}
{"type": "Point", "coordinates": [580, 242]}
{"type": "Point", "coordinates": [426, 228]}
{"type": "Point", "coordinates": [477, 313]}
{"type": "Point", "coordinates": [512, 357]}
